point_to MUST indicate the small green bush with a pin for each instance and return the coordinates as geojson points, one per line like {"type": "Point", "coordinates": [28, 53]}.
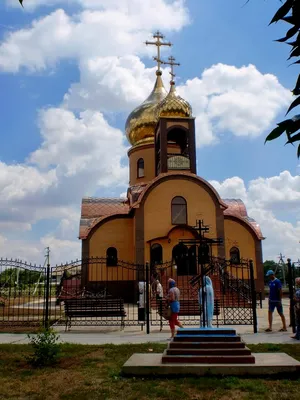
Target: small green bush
{"type": "Point", "coordinates": [46, 350]}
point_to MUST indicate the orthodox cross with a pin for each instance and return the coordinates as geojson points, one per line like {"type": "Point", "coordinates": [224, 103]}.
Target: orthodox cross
{"type": "Point", "coordinates": [158, 43]}
{"type": "Point", "coordinates": [172, 63]}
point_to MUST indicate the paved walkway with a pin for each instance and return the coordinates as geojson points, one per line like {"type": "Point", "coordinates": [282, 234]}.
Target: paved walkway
{"type": "Point", "coordinates": [135, 337]}
{"type": "Point", "coordinates": [105, 335]}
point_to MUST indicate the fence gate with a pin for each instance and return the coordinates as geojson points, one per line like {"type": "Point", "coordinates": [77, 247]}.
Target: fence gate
{"type": "Point", "coordinates": [22, 295]}
{"type": "Point", "coordinates": [234, 293]}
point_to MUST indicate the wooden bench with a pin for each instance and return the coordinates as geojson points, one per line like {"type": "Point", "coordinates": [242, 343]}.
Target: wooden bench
{"type": "Point", "coordinates": [85, 307]}
{"type": "Point", "coordinates": [187, 308]}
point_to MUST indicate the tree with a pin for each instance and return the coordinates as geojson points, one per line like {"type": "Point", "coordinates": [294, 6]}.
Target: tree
{"type": "Point", "coordinates": [269, 264]}
{"type": "Point", "coordinates": [289, 13]}
{"type": "Point", "coordinates": [11, 277]}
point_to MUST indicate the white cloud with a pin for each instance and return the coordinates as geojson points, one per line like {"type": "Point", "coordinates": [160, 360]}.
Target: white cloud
{"type": "Point", "coordinates": [266, 199]}
{"type": "Point", "coordinates": [278, 192]}
{"type": "Point", "coordinates": [131, 7]}
{"type": "Point", "coordinates": [225, 99]}
{"type": "Point", "coordinates": [111, 84]}
{"type": "Point", "coordinates": [77, 146]}
{"type": "Point", "coordinates": [112, 31]}
{"type": "Point", "coordinates": [77, 156]}
{"type": "Point", "coordinates": [30, 5]}
{"type": "Point", "coordinates": [242, 101]}
{"type": "Point", "coordinates": [61, 251]}
{"type": "Point", "coordinates": [231, 187]}
{"type": "Point", "coordinates": [82, 154]}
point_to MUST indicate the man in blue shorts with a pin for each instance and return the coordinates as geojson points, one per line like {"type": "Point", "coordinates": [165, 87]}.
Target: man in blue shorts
{"type": "Point", "coordinates": [275, 300]}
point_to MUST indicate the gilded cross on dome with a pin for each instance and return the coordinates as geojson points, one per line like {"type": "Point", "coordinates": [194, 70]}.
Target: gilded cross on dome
{"type": "Point", "coordinates": [158, 43]}
{"type": "Point", "coordinates": [172, 63]}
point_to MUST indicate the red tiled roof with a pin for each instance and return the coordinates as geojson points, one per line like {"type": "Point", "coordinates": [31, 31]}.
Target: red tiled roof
{"type": "Point", "coordinates": [94, 210]}
{"type": "Point", "coordinates": [236, 208]}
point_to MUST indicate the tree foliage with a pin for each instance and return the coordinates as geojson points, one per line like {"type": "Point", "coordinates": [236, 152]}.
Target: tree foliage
{"type": "Point", "coordinates": [289, 13]}
{"type": "Point", "coordinates": [11, 277]}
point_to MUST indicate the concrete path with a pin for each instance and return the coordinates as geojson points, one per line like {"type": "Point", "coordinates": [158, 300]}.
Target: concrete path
{"type": "Point", "coordinates": [104, 335]}
{"type": "Point", "coordinates": [129, 336]}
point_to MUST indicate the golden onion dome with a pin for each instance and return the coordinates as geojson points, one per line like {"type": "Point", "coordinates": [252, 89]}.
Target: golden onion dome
{"type": "Point", "coordinates": [174, 106]}
{"type": "Point", "coordinates": [141, 123]}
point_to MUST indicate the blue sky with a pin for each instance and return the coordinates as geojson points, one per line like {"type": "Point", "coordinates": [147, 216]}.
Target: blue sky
{"type": "Point", "coordinates": [36, 74]}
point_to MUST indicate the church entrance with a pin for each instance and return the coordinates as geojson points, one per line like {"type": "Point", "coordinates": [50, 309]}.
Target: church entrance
{"type": "Point", "coordinates": [185, 259]}
{"type": "Point", "coordinates": [156, 254]}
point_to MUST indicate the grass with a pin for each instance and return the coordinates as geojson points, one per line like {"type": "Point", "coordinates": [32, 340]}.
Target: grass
{"type": "Point", "coordinates": [93, 373]}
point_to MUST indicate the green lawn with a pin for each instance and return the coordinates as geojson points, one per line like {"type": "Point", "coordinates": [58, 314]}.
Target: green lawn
{"type": "Point", "coordinates": [93, 372]}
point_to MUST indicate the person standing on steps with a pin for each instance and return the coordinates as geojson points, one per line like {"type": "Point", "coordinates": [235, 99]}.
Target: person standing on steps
{"type": "Point", "coordinates": [275, 300]}
{"type": "Point", "coordinates": [173, 299]}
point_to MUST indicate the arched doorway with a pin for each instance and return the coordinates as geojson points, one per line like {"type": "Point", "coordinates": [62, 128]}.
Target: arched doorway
{"type": "Point", "coordinates": [156, 254]}
{"type": "Point", "coordinates": [156, 258]}
{"type": "Point", "coordinates": [180, 255]}
{"type": "Point", "coordinates": [235, 256]}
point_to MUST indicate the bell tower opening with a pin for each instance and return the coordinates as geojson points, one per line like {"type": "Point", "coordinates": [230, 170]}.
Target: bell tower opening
{"type": "Point", "coordinates": [177, 141]}
{"type": "Point", "coordinates": [175, 132]}
{"type": "Point", "coordinates": [175, 145]}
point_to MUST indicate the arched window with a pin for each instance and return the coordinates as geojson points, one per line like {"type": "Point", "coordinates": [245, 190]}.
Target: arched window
{"type": "Point", "coordinates": [180, 255]}
{"type": "Point", "coordinates": [111, 257]}
{"type": "Point", "coordinates": [156, 255]}
{"type": "Point", "coordinates": [179, 211]}
{"type": "Point", "coordinates": [235, 255]}
{"type": "Point", "coordinates": [140, 168]}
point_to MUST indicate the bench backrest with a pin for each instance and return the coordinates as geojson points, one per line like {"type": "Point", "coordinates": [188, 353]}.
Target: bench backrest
{"type": "Point", "coordinates": [103, 304]}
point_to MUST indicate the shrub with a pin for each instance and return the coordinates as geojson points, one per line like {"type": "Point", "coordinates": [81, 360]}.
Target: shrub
{"type": "Point", "coordinates": [45, 348]}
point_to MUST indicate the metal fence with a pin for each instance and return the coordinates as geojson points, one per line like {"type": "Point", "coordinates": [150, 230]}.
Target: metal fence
{"type": "Point", "coordinates": [22, 294]}
{"type": "Point", "coordinates": [102, 292]}
{"type": "Point", "coordinates": [234, 294]}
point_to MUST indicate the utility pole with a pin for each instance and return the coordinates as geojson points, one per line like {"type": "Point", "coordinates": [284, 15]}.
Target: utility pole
{"type": "Point", "coordinates": [281, 265]}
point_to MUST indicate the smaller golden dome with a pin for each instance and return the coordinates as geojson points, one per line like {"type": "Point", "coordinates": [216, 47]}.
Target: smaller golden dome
{"type": "Point", "coordinates": [140, 124]}
{"type": "Point", "coordinates": [174, 106]}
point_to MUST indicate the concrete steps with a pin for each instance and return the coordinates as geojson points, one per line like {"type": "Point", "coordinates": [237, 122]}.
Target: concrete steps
{"type": "Point", "coordinates": [209, 352]}
{"type": "Point", "coordinates": [207, 346]}
{"type": "Point", "coordinates": [184, 359]}
{"type": "Point", "coordinates": [206, 338]}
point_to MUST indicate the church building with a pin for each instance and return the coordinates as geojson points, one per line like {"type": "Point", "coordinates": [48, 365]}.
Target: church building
{"type": "Point", "coordinates": [165, 197]}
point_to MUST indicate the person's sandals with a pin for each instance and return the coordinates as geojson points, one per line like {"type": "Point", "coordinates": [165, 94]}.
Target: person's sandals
{"type": "Point", "coordinates": [268, 330]}
{"type": "Point", "coordinates": [282, 330]}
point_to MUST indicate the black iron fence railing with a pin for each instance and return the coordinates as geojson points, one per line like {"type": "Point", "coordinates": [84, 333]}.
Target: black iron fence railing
{"type": "Point", "coordinates": [89, 292]}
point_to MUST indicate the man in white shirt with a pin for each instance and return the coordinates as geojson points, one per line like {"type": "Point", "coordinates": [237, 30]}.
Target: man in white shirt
{"type": "Point", "coordinates": [159, 290]}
